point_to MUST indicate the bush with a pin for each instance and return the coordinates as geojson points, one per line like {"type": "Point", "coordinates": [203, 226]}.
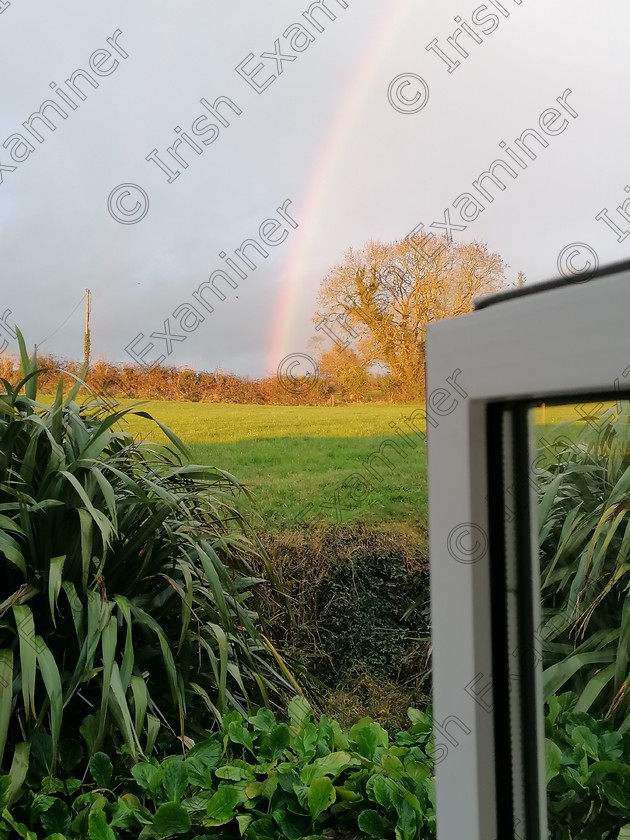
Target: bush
{"type": "Point", "coordinates": [358, 618]}
{"type": "Point", "coordinates": [585, 541]}
{"type": "Point", "coordinates": [258, 779]}
{"type": "Point", "coordinates": [588, 774]}
{"type": "Point", "coordinates": [124, 589]}
{"type": "Point", "coordinates": [264, 779]}
{"type": "Point", "coordinates": [364, 620]}
{"type": "Point", "coordinates": [172, 383]}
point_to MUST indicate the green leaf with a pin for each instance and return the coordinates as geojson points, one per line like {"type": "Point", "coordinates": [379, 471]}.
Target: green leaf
{"type": "Point", "coordinates": [293, 826]}
{"type": "Point", "coordinates": [381, 790]}
{"type": "Point", "coordinates": [220, 809]}
{"type": "Point", "coordinates": [174, 779]}
{"type": "Point", "coordinates": [262, 829]}
{"type": "Point", "coordinates": [18, 771]}
{"type": "Point", "coordinates": [148, 776]}
{"type": "Point", "coordinates": [19, 828]}
{"type": "Point", "coordinates": [329, 765]}
{"type": "Point", "coordinates": [277, 741]}
{"type": "Point", "coordinates": [554, 708]}
{"type": "Point", "coordinates": [407, 825]}
{"type": "Point", "coordinates": [121, 713]}
{"type": "Point", "coordinates": [392, 766]}
{"type": "Point", "coordinates": [615, 795]}
{"type": "Point", "coordinates": [109, 636]}
{"type": "Point", "coordinates": [209, 752]}
{"type": "Point", "coordinates": [25, 624]}
{"type": "Point", "coordinates": [140, 702]}
{"type": "Point", "coordinates": [179, 445]}
{"type": "Point", "coordinates": [56, 818]}
{"type": "Point", "coordinates": [553, 760]}
{"type": "Point", "coordinates": [244, 821]}
{"type": "Point", "coordinates": [586, 740]}
{"type": "Point", "coordinates": [219, 633]}
{"type": "Point", "coordinates": [11, 550]}
{"type": "Point", "coordinates": [548, 498]}
{"type": "Point", "coordinates": [50, 784]}
{"type": "Point", "coordinates": [200, 773]}
{"type": "Point", "coordinates": [6, 696]}
{"type": "Point", "coordinates": [171, 819]}
{"type": "Point", "coordinates": [305, 744]}
{"type": "Point", "coordinates": [98, 828]}
{"type": "Point", "coordinates": [196, 805]}
{"type": "Point", "coordinates": [321, 795]}
{"type": "Point", "coordinates": [610, 746]}
{"type": "Point", "coordinates": [555, 676]}
{"type": "Point", "coordinates": [420, 719]}
{"type": "Point", "coordinates": [345, 794]}
{"type": "Point", "coordinates": [230, 772]}
{"type": "Point", "coordinates": [89, 730]}
{"type": "Point", "coordinates": [41, 802]}
{"type": "Point", "coordinates": [52, 681]}
{"type": "Point", "coordinates": [371, 823]}
{"type": "Point", "coordinates": [128, 811]}
{"type": "Point", "coordinates": [55, 576]}
{"type": "Point", "coordinates": [238, 734]}
{"type": "Point", "coordinates": [5, 784]}
{"type": "Point", "coordinates": [368, 737]}
{"type": "Point", "coordinates": [299, 712]}
{"type": "Point", "coordinates": [101, 769]}
{"type": "Point", "coordinates": [264, 720]}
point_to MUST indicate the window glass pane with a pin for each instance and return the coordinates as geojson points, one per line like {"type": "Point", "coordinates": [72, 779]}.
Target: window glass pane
{"type": "Point", "coordinates": [581, 474]}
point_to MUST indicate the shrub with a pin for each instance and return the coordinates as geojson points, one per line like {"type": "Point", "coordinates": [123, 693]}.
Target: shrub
{"type": "Point", "coordinates": [358, 622]}
{"type": "Point", "coordinates": [363, 616]}
{"type": "Point", "coordinates": [588, 774]}
{"type": "Point", "coordinates": [585, 540]}
{"type": "Point", "coordinates": [124, 589]}
{"type": "Point", "coordinates": [258, 778]}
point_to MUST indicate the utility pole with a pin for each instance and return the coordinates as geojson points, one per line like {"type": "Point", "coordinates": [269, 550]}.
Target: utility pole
{"type": "Point", "coordinates": [86, 339]}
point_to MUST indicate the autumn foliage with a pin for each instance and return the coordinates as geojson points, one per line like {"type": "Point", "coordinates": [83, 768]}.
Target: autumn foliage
{"type": "Point", "coordinates": [179, 383]}
{"type": "Point", "coordinates": [378, 301]}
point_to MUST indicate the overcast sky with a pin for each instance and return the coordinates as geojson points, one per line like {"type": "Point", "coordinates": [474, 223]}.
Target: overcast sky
{"type": "Point", "coordinates": [364, 135]}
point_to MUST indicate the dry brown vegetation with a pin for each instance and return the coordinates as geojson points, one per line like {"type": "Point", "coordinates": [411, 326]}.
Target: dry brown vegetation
{"type": "Point", "coordinates": [351, 607]}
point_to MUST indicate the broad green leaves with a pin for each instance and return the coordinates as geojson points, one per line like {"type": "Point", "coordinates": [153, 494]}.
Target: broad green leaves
{"type": "Point", "coordinates": [588, 773]}
{"type": "Point", "coordinates": [171, 820]}
{"type": "Point", "coordinates": [553, 760]}
{"type": "Point", "coordinates": [220, 809]}
{"type": "Point", "coordinates": [310, 789]}
{"type": "Point", "coordinates": [101, 769]}
{"type": "Point", "coordinates": [321, 795]}
{"type": "Point", "coordinates": [257, 778]}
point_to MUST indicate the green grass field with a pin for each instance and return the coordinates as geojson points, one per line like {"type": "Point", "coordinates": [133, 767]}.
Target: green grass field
{"type": "Point", "coordinates": [309, 464]}
{"type": "Point", "coordinates": [312, 465]}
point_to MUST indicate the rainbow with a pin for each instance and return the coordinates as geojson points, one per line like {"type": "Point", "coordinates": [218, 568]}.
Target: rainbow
{"type": "Point", "coordinates": [323, 177]}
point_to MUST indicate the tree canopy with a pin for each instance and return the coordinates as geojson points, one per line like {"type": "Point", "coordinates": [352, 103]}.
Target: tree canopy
{"type": "Point", "coordinates": [380, 299]}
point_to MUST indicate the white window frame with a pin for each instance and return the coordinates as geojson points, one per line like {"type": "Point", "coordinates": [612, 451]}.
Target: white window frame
{"type": "Point", "coordinates": [556, 341]}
